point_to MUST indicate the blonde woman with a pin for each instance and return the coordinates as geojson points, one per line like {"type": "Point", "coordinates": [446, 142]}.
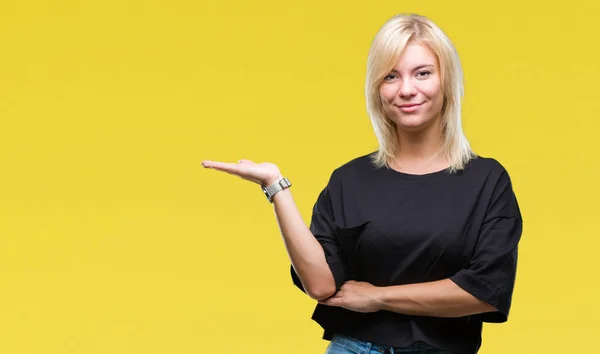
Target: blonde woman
{"type": "Point", "coordinates": [412, 247]}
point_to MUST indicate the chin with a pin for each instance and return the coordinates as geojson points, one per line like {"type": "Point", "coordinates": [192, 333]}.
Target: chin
{"type": "Point", "coordinates": [411, 128]}
{"type": "Point", "coordinates": [410, 123]}
{"type": "Point", "coordinates": [413, 125]}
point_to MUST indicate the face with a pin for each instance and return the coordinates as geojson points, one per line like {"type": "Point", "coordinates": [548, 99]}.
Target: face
{"type": "Point", "coordinates": [413, 89]}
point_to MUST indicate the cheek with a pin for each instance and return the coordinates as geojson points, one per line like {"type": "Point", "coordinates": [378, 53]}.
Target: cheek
{"type": "Point", "coordinates": [386, 93]}
{"type": "Point", "coordinates": [430, 89]}
{"type": "Point", "coordinates": [434, 94]}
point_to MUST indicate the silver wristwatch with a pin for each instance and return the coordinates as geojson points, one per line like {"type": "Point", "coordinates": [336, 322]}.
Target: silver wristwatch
{"type": "Point", "coordinates": [277, 186]}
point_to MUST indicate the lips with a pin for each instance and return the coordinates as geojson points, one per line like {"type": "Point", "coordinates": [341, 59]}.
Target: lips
{"type": "Point", "coordinates": [408, 105]}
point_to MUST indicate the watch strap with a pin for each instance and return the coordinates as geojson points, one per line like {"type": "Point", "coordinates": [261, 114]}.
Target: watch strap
{"type": "Point", "coordinates": [277, 186]}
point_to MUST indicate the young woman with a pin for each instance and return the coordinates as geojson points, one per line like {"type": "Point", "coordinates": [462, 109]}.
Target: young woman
{"type": "Point", "coordinates": [413, 246]}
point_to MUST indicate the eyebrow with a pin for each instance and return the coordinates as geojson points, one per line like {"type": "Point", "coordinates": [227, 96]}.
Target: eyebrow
{"type": "Point", "coordinates": [417, 68]}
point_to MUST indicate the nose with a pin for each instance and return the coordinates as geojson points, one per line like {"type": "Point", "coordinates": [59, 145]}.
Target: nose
{"type": "Point", "coordinates": [407, 89]}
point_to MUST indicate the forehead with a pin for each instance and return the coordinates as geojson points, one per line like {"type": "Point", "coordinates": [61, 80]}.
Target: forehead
{"type": "Point", "coordinates": [414, 55]}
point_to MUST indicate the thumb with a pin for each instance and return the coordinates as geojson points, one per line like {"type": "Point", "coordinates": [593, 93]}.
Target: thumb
{"type": "Point", "coordinates": [332, 301]}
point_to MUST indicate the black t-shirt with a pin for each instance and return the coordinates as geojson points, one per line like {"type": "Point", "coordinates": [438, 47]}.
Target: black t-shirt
{"type": "Point", "coordinates": [389, 228]}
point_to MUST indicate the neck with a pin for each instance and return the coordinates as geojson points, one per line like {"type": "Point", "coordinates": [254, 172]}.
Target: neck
{"type": "Point", "coordinates": [419, 145]}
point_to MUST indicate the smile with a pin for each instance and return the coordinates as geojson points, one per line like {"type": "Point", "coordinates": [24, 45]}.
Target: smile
{"type": "Point", "coordinates": [407, 108]}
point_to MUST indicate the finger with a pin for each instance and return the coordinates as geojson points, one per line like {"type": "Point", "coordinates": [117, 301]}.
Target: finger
{"type": "Point", "coordinates": [244, 160]}
{"type": "Point", "coordinates": [222, 166]}
{"type": "Point", "coordinates": [334, 301]}
{"type": "Point", "coordinates": [326, 302]}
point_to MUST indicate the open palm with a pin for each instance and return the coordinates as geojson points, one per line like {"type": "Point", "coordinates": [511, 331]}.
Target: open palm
{"type": "Point", "coordinates": [264, 173]}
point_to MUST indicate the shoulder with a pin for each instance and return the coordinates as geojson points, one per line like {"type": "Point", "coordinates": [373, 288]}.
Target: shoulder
{"type": "Point", "coordinates": [487, 166]}
{"type": "Point", "coordinates": [488, 172]}
{"type": "Point", "coordinates": [354, 167]}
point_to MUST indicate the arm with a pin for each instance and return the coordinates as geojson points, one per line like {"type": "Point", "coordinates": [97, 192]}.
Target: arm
{"type": "Point", "coordinates": [305, 252]}
{"type": "Point", "coordinates": [304, 249]}
{"type": "Point", "coordinates": [442, 298]}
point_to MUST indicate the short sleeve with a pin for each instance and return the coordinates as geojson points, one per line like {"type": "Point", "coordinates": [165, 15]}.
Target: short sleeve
{"type": "Point", "coordinates": [323, 227]}
{"type": "Point", "coordinates": [491, 272]}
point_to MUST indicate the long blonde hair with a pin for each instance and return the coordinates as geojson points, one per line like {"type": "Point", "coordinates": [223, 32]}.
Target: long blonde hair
{"type": "Point", "coordinates": [386, 49]}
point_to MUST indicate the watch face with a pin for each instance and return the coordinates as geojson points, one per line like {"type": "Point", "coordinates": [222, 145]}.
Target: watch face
{"type": "Point", "coordinates": [268, 196]}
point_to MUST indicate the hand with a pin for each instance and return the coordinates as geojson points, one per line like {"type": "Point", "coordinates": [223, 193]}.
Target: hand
{"type": "Point", "coordinates": [264, 173]}
{"type": "Point", "coordinates": [357, 296]}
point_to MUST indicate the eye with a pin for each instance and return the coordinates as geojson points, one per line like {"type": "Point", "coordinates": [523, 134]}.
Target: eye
{"type": "Point", "coordinates": [423, 74]}
{"type": "Point", "coordinates": [389, 77]}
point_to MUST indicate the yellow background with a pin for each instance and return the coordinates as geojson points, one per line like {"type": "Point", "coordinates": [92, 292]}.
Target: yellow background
{"type": "Point", "coordinates": [113, 238]}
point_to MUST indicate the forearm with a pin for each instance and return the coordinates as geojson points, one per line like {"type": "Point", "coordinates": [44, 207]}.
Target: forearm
{"type": "Point", "coordinates": [305, 252]}
{"type": "Point", "coordinates": [442, 298]}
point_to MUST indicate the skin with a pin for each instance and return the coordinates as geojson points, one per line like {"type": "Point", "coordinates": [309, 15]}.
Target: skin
{"type": "Point", "coordinates": [415, 79]}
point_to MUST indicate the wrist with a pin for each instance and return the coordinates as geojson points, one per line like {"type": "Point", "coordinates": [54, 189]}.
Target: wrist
{"type": "Point", "coordinates": [275, 185]}
{"type": "Point", "coordinates": [272, 180]}
{"type": "Point", "coordinates": [378, 297]}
